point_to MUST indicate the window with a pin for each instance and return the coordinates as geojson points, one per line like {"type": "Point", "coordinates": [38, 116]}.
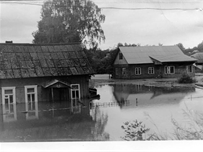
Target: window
{"type": "Point", "coordinates": [169, 69]}
{"type": "Point", "coordinates": [150, 70]}
{"type": "Point", "coordinates": [75, 96]}
{"type": "Point", "coordinates": [123, 71]}
{"type": "Point", "coordinates": [75, 91]}
{"type": "Point", "coordinates": [189, 69]}
{"type": "Point", "coordinates": [9, 103]}
{"type": "Point", "coordinates": [117, 71]}
{"type": "Point", "coordinates": [137, 71]}
{"type": "Point", "coordinates": [120, 56]}
{"type": "Point", "coordinates": [31, 102]}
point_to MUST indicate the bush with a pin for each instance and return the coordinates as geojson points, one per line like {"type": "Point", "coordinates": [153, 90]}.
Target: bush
{"type": "Point", "coordinates": [185, 78]}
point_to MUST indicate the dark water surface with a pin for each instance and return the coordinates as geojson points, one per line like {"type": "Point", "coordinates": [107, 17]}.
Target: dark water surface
{"type": "Point", "coordinates": [100, 119]}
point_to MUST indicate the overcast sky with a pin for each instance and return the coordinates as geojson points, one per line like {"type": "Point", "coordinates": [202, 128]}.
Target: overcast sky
{"type": "Point", "coordinates": [144, 26]}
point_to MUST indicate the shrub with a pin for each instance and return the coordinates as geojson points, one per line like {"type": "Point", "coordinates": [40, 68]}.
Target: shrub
{"type": "Point", "coordinates": [185, 78]}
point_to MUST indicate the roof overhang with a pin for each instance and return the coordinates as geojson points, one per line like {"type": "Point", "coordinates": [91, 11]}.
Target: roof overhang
{"type": "Point", "coordinates": [57, 84]}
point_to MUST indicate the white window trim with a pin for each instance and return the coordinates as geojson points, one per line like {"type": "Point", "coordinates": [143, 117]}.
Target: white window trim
{"type": "Point", "coordinates": [152, 69]}
{"type": "Point", "coordinates": [138, 70]}
{"type": "Point", "coordinates": [14, 102]}
{"type": "Point", "coordinates": [36, 101]}
{"type": "Point", "coordinates": [3, 94]}
{"type": "Point", "coordinates": [73, 89]}
{"type": "Point", "coordinates": [35, 91]}
{"type": "Point", "coordinates": [166, 71]}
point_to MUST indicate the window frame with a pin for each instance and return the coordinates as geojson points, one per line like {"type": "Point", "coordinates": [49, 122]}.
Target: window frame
{"type": "Point", "coordinates": [167, 69]}
{"type": "Point", "coordinates": [75, 89]}
{"type": "Point", "coordinates": [14, 117]}
{"type": "Point", "coordinates": [151, 71]}
{"type": "Point", "coordinates": [3, 93]}
{"type": "Point", "coordinates": [189, 69]}
{"type": "Point", "coordinates": [123, 72]}
{"type": "Point", "coordinates": [35, 109]}
{"type": "Point", "coordinates": [35, 92]}
{"type": "Point", "coordinates": [139, 71]}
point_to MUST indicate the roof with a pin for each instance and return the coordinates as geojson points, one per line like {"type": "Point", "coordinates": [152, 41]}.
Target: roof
{"type": "Point", "coordinates": [57, 84]}
{"type": "Point", "coordinates": [198, 56]}
{"type": "Point", "coordinates": [146, 54]}
{"type": "Point", "coordinates": [35, 60]}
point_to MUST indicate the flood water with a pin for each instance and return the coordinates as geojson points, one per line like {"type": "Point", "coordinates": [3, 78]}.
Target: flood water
{"type": "Point", "coordinates": [100, 119]}
{"type": "Point", "coordinates": [155, 107]}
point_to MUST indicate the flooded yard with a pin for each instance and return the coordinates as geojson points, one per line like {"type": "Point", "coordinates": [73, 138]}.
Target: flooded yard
{"type": "Point", "coordinates": [101, 119]}
{"type": "Point", "coordinates": [155, 107]}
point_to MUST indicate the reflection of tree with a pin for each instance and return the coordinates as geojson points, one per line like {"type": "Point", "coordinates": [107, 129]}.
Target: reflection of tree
{"type": "Point", "coordinates": [101, 121]}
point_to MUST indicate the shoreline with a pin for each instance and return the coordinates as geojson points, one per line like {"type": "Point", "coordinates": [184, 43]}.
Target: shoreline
{"type": "Point", "coordinates": [103, 79]}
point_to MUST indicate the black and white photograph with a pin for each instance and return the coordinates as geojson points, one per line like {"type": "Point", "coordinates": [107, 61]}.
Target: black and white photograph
{"type": "Point", "coordinates": [101, 75]}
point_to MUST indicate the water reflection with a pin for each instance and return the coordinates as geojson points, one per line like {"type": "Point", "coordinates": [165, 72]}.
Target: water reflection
{"type": "Point", "coordinates": [141, 95]}
{"type": "Point", "coordinates": [9, 112]}
{"type": "Point", "coordinates": [38, 121]}
{"type": "Point", "coordinates": [154, 106]}
{"type": "Point", "coordinates": [31, 110]}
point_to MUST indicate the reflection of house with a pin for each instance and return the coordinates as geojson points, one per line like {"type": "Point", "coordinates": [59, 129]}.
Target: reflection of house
{"type": "Point", "coordinates": [140, 95]}
{"type": "Point", "coordinates": [32, 72]}
{"type": "Point", "coordinates": [42, 121]}
{"type": "Point", "coordinates": [151, 62]}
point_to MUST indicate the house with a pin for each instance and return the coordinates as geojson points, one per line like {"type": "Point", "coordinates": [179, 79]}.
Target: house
{"type": "Point", "coordinates": [199, 63]}
{"type": "Point", "coordinates": [151, 62]}
{"type": "Point", "coordinates": [43, 73]}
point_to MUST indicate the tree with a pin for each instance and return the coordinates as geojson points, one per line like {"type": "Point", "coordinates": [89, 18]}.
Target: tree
{"type": "Point", "coordinates": [200, 46]}
{"type": "Point", "coordinates": [180, 45]}
{"type": "Point", "coordinates": [65, 21]}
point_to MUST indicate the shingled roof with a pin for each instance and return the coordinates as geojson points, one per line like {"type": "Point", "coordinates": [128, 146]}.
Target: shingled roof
{"type": "Point", "coordinates": [145, 54]}
{"type": "Point", "coordinates": [32, 60]}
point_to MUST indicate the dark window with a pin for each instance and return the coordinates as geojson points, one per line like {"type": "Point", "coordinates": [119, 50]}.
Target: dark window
{"type": "Point", "coordinates": [169, 69]}
{"type": "Point", "coordinates": [120, 56]}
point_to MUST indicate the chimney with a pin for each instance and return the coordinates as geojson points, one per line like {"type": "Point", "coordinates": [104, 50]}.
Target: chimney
{"type": "Point", "coordinates": [9, 42]}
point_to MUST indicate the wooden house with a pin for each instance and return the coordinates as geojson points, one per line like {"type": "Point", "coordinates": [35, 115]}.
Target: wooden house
{"type": "Point", "coordinates": [43, 73]}
{"type": "Point", "coordinates": [199, 63]}
{"type": "Point", "coordinates": [151, 62]}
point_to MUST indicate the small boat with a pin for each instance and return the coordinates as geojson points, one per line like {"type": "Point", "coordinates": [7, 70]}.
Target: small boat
{"type": "Point", "coordinates": [200, 86]}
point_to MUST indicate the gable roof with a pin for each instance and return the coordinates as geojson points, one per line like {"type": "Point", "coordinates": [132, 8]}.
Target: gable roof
{"type": "Point", "coordinates": [198, 56]}
{"type": "Point", "coordinates": [146, 54]}
{"type": "Point", "coordinates": [35, 60]}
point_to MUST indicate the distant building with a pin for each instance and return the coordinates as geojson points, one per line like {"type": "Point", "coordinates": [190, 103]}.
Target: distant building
{"type": "Point", "coordinates": [152, 62]}
{"type": "Point", "coordinates": [199, 63]}
{"type": "Point", "coordinates": [43, 73]}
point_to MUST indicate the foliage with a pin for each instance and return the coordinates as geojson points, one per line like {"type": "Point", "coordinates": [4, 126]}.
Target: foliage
{"type": "Point", "coordinates": [185, 78]}
{"type": "Point", "coordinates": [134, 130]}
{"type": "Point", "coordinates": [65, 21]}
{"type": "Point", "coordinates": [193, 130]}
{"type": "Point", "coordinates": [102, 61]}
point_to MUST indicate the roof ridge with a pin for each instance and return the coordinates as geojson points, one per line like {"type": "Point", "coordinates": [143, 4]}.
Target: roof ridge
{"type": "Point", "coordinates": [42, 44]}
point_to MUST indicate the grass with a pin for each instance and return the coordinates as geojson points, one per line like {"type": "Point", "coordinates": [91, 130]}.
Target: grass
{"type": "Point", "coordinates": [193, 130]}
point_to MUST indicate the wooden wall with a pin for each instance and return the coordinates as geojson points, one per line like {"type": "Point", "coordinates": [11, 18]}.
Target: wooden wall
{"type": "Point", "coordinates": [44, 93]}
{"type": "Point", "coordinates": [180, 68]}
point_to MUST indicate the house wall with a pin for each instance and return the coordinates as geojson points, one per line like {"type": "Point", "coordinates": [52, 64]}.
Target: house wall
{"type": "Point", "coordinates": [120, 61]}
{"type": "Point", "coordinates": [158, 71]}
{"type": "Point", "coordinates": [43, 93]}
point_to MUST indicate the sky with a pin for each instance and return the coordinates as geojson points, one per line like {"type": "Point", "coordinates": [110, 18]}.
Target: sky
{"type": "Point", "coordinates": [182, 22]}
